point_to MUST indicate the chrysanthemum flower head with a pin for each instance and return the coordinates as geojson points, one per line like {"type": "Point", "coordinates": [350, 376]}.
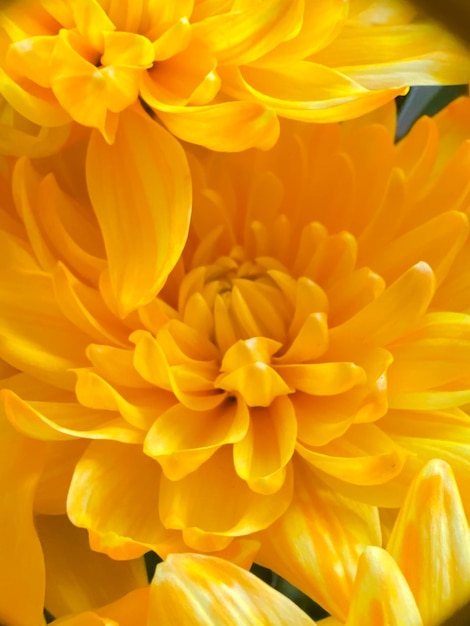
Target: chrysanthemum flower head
{"type": "Point", "coordinates": [312, 324]}
{"type": "Point", "coordinates": [218, 73]}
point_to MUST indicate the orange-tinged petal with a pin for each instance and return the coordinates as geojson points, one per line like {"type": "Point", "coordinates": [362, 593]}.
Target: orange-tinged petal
{"type": "Point", "coordinates": [181, 440]}
{"type": "Point", "coordinates": [319, 538]}
{"type": "Point", "coordinates": [381, 595]}
{"type": "Point", "coordinates": [431, 544]}
{"type": "Point", "coordinates": [120, 510]}
{"type": "Point", "coordinates": [144, 244]}
{"type": "Point", "coordinates": [195, 589]}
{"type": "Point", "coordinates": [125, 49]}
{"type": "Point", "coordinates": [261, 456]}
{"type": "Point", "coordinates": [21, 553]}
{"type": "Point", "coordinates": [184, 505]}
{"type": "Point", "coordinates": [254, 29]}
{"type": "Point", "coordinates": [228, 126]}
{"type": "Point", "coordinates": [78, 579]}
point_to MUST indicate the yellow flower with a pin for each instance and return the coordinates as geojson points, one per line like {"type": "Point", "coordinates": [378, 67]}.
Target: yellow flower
{"type": "Point", "coordinates": [312, 325]}
{"type": "Point", "coordinates": [217, 73]}
{"type": "Point", "coordinates": [419, 580]}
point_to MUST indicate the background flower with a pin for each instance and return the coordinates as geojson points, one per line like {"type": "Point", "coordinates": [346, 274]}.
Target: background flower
{"type": "Point", "coordinates": [217, 74]}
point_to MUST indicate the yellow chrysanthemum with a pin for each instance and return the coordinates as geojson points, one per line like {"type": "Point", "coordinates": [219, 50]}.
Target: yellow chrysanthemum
{"type": "Point", "coordinates": [314, 323]}
{"type": "Point", "coordinates": [419, 580]}
{"type": "Point", "coordinates": [217, 73]}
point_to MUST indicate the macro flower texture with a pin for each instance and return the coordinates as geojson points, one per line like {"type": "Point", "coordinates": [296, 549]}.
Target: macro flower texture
{"type": "Point", "coordinates": [217, 74]}
{"type": "Point", "coordinates": [224, 330]}
{"type": "Point", "coordinates": [420, 579]}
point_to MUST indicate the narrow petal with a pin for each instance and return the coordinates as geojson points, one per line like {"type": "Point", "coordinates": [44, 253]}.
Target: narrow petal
{"type": "Point", "coordinates": [144, 169]}
{"type": "Point", "coordinates": [78, 579]}
{"type": "Point", "coordinates": [195, 589]}
{"type": "Point", "coordinates": [381, 595]}
{"type": "Point", "coordinates": [431, 544]}
{"type": "Point", "coordinates": [319, 538]}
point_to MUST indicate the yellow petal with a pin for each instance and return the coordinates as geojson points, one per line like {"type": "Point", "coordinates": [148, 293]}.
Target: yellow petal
{"type": "Point", "coordinates": [181, 440]}
{"type": "Point", "coordinates": [116, 508]}
{"type": "Point", "coordinates": [262, 455]}
{"type": "Point", "coordinates": [306, 91]}
{"type": "Point", "coordinates": [228, 126]}
{"type": "Point", "coordinates": [363, 456]}
{"type": "Point", "coordinates": [193, 589]}
{"type": "Point", "coordinates": [129, 610]}
{"type": "Point", "coordinates": [319, 538]}
{"type": "Point", "coordinates": [213, 499]}
{"type": "Point", "coordinates": [245, 34]}
{"type": "Point", "coordinates": [322, 379]}
{"type": "Point", "coordinates": [431, 544]}
{"type": "Point", "coordinates": [78, 579]}
{"type": "Point", "coordinates": [381, 595]}
{"type": "Point", "coordinates": [22, 463]}
{"type": "Point", "coordinates": [145, 169]}
{"type": "Point", "coordinates": [37, 338]}
{"type": "Point", "coordinates": [393, 313]}
{"type": "Point", "coordinates": [51, 421]}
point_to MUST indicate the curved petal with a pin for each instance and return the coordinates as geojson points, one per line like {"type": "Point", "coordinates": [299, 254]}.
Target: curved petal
{"type": "Point", "coordinates": [431, 543]}
{"type": "Point", "coordinates": [78, 579]}
{"type": "Point", "coordinates": [241, 36]}
{"type": "Point", "coordinates": [213, 500]}
{"type": "Point", "coordinates": [36, 337]}
{"type": "Point", "coordinates": [181, 440]}
{"type": "Point", "coordinates": [261, 456]}
{"type": "Point", "coordinates": [363, 456]}
{"type": "Point", "coordinates": [381, 595]}
{"type": "Point", "coordinates": [145, 169]}
{"type": "Point", "coordinates": [225, 127]}
{"type": "Point", "coordinates": [394, 313]}
{"type": "Point", "coordinates": [195, 589]}
{"type": "Point", "coordinates": [57, 421]}
{"type": "Point", "coordinates": [130, 610]}
{"type": "Point", "coordinates": [119, 509]}
{"type": "Point", "coordinates": [319, 538]}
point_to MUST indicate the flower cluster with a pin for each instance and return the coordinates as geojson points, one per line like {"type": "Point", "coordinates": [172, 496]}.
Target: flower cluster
{"type": "Point", "coordinates": [225, 355]}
